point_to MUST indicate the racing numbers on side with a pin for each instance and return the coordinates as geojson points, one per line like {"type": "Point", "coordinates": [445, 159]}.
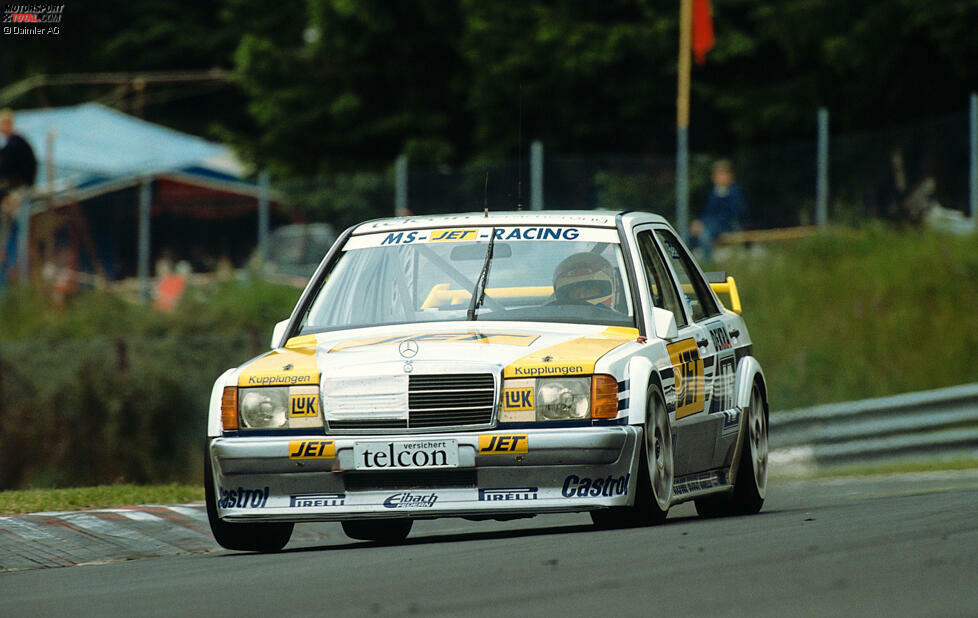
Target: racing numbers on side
{"type": "Point", "coordinates": [690, 384]}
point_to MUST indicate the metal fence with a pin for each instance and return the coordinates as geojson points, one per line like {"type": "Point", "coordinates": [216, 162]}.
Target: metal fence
{"type": "Point", "coordinates": [898, 173]}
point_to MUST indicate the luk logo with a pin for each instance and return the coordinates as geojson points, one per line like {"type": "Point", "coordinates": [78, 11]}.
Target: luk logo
{"type": "Point", "coordinates": [518, 399]}
{"type": "Point", "coordinates": [582, 487]}
{"type": "Point", "coordinates": [507, 494]}
{"type": "Point", "coordinates": [317, 500]}
{"type": "Point", "coordinates": [303, 406]}
{"type": "Point", "coordinates": [312, 449]}
{"type": "Point", "coordinates": [407, 500]}
{"type": "Point", "coordinates": [242, 498]}
{"type": "Point", "coordinates": [518, 443]}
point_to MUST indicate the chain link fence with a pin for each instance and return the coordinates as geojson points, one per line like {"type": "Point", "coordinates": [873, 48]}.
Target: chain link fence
{"type": "Point", "coordinates": [898, 173]}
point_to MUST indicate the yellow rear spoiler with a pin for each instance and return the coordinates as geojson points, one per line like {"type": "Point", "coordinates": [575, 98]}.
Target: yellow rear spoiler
{"type": "Point", "coordinates": [725, 284]}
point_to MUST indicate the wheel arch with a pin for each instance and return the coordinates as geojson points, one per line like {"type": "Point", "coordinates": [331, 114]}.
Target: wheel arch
{"type": "Point", "coordinates": [749, 370]}
{"type": "Point", "coordinates": [642, 374]}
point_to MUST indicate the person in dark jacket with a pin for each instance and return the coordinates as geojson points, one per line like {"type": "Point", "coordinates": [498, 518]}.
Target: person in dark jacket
{"type": "Point", "coordinates": [18, 166]}
{"type": "Point", "coordinates": [726, 209]}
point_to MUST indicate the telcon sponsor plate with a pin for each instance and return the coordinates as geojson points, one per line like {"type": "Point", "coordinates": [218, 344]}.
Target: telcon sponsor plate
{"type": "Point", "coordinates": [406, 454]}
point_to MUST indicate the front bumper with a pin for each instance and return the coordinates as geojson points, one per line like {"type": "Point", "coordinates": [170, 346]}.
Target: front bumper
{"type": "Point", "coordinates": [558, 470]}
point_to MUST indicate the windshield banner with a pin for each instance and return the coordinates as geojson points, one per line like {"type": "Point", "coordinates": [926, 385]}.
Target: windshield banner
{"type": "Point", "coordinates": [481, 234]}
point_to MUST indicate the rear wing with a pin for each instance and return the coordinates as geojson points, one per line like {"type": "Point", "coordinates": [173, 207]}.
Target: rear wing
{"type": "Point", "coordinates": [725, 284]}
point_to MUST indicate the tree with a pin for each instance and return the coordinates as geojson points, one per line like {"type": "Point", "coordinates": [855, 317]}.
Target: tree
{"type": "Point", "coordinates": [355, 85]}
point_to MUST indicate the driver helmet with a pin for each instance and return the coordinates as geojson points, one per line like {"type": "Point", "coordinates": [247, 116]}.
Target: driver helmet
{"type": "Point", "coordinates": [585, 277]}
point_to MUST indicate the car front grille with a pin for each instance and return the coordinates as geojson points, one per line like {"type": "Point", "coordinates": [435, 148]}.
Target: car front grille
{"type": "Point", "coordinates": [450, 400]}
{"type": "Point", "coordinates": [435, 401]}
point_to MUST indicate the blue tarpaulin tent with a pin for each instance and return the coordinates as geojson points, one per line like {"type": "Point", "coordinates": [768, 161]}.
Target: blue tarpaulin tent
{"type": "Point", "coordinates": [91, 145]}
{"type": "Point", "coordinates": [93, 162]}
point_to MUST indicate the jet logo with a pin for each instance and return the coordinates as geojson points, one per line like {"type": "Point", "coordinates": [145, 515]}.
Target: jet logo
{"type": "Point", "coordinates": [496, 444]}
{"type": "Point", "coordinates": [312, 449]}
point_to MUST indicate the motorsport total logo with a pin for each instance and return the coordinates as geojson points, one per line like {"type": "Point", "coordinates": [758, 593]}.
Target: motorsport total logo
{"type": "Point", "coordinates": [32, 19]}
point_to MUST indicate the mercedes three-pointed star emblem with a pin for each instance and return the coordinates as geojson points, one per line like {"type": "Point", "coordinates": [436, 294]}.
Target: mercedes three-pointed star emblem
{"type": "Point", "coordinates": [408, 348]}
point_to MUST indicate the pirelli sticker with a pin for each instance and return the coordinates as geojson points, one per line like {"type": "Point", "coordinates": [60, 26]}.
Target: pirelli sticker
{"type": "Point", "coordinates": [312, 449]}
{"type": "Point", "coordinates": [688, 370]}
{"type": "Point", "coordinates": [492, 444]}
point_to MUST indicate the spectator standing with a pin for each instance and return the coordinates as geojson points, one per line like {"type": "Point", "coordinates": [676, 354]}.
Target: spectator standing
{"type": "Point", "coordinates": [18, 167]}
{"type": "Point", "coordinates": [726, 209]}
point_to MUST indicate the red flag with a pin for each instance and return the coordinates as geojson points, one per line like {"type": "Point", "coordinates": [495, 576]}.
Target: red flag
{"type": "Point", "coordinates": [702, 29]}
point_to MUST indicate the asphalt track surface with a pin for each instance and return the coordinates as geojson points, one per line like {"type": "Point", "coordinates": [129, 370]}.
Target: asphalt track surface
{"type": "Point", "coordinates": [894, 546]}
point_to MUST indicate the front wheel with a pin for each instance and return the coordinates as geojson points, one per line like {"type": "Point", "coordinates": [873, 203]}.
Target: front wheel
{"type": "Point", "coordinates": [655, 474]}
{"type": "Point", "coordinates": [269, 537]}
{"type": "Point", "coordinates": [387, 531]}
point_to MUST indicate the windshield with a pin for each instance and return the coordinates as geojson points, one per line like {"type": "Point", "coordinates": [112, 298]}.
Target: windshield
{"type": "Point", "coordinates": [543, 274]}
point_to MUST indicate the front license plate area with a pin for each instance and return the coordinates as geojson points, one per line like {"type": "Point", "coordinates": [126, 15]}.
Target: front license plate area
{"type": "Point", "coordinates": [406, 454]}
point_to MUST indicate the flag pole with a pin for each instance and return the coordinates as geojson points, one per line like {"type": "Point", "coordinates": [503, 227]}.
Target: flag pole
{"type": "Point", "coordinates": [682, 117]}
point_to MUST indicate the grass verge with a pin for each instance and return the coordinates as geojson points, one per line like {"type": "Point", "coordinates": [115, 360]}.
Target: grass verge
{"type": "Point", "coordinates": [883, 469]}
{"type": "Point", "coordinates": [101, 496]}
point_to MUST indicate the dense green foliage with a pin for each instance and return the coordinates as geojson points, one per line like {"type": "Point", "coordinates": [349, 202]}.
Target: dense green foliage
{"type": "Point", "coordinates": [108, 392]}
{"type": "Point", "coordinates": [332, 85]}
{"type": "Point", "coordinates": [844, 317]}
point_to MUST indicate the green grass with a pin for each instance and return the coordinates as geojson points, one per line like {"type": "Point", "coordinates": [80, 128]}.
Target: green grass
{"type": "Point", "coordinates": [101, 496]}
{"type": "Point", "coordinates": [840, 317]}
{"type": "Point", "coordinates": [884, 468]}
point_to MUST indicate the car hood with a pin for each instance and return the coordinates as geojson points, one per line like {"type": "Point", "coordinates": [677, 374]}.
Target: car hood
{"type": "Point", "coordinates": [519, 350]}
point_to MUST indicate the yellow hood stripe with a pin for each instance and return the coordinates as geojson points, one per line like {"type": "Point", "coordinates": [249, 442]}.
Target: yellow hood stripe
{"type": "Point", "coordinates": [290, 366]}
{"type": "Point", "coordinates": [574, 357]}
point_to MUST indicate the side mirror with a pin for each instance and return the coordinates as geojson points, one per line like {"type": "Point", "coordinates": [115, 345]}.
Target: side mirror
{"type": "Point", "coordinates": [278, 332]}
{"type": "Point", "coordinates": [664, 323]}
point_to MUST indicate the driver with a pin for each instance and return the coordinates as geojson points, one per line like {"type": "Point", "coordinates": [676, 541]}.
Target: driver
{"type": "Point", "coordinates": [585, 277]}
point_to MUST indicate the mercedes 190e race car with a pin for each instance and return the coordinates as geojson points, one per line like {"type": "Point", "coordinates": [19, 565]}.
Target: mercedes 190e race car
{"type": "Point", "coordinates": [491, 367]}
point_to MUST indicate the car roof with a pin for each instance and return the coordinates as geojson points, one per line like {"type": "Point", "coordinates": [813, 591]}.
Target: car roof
{"type": "Point", "coordinates": [586, 218]}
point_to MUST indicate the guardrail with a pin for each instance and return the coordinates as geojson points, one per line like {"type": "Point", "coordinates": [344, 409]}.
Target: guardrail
{"type": "Point", "coordinates": [941, 423]}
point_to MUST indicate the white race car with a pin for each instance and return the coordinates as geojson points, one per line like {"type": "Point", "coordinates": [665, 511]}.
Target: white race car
{"type": "Point", "coordinates": [492, 367]}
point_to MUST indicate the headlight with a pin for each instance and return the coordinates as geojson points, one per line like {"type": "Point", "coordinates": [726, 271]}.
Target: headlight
{"type": "Point", "coordinates": [264, 408]}
{"type": "Point", "coordinates": [560, 399]}
{"type": "Point", "coordinates": [271, 407]}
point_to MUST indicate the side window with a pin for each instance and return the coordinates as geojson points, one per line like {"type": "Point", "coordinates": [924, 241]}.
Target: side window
{"type": "Point", "coordinates": [660, 283]}
{"type": "Point", "coordinates": [693, 286]}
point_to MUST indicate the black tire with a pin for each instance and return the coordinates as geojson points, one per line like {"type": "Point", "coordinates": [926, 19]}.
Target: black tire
{"type": "Point", "coordinates": [265, 538]}
{"type": "Point", "coordinates": [750, 484]}
{"type": "Point", "coordinates": [387, 531]}
{"type": "Point", "coordinates": [655, 472]}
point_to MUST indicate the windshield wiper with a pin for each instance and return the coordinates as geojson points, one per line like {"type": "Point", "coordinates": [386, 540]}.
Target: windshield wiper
{"type": "Point", "coordinates": [479, 296]}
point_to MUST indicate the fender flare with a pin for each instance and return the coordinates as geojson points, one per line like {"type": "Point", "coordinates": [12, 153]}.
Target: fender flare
{"type": "Point", "coordinates": [747, 370]}
{"type": "Point", "coordinates": [214, 425]}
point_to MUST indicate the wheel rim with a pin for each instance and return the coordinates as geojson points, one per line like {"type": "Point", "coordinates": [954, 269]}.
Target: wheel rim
{"type": "Point", "coordinates": [757, 425]}
{"type": "Point", "coordinates": [658, 446]}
